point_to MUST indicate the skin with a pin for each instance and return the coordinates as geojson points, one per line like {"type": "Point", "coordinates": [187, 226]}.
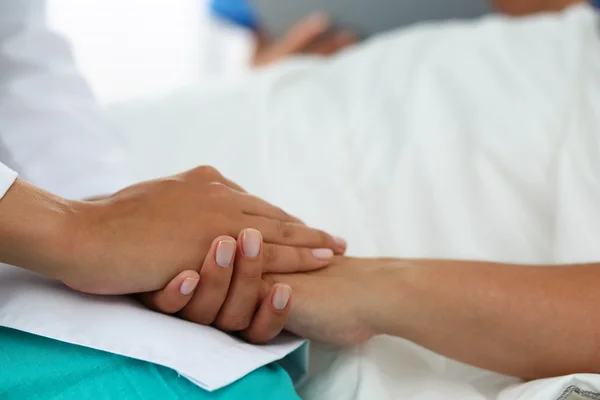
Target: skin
{"type": "Point", "coordinates": [531, 322]}
{"type": "Point", "coordinates": [525, 7]}
{"type": "Point", "coordinates": [142, 239]}
{"type": "Point", "coordinates": [524, 321]}
{"type": "Point", "coordinates": [216, 298]}
{"type": "Point", "coordinates": [312, 35]}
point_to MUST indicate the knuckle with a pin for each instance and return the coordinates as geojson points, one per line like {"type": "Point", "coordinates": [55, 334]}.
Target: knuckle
{"type": "Point", "coordinates": [220, 279]}
{"type": "Point", "coordinates": [324, 238]}
{"type": "Point", "coordinates": [208, 172]}
{"type": "Point", "coordinates": [269, 255]}
{"type": "Point", "coordinates": [209, 275]}
{"type": "Point", "coordinates": [299, 257]}
{"type": "Point", "coordinates": [268, 282]}
{"type": "Point", "coordinates": [250, 273]}
{"type": "Point", "coordinates": [205, 319]}
{"type": "Point", "coordinates": [197, 316]}
{"type": "Point", "coordinates": [233, 323]}
{"type": "Point", "coordinates": [285, 230]}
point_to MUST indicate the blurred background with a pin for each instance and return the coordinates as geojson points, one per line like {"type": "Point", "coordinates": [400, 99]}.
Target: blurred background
{"type": "Point", "coordinates": [134, 48]}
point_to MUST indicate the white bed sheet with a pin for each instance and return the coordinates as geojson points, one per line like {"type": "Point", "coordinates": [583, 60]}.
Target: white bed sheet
{"type": "Point", "coordinates": [470, 141]}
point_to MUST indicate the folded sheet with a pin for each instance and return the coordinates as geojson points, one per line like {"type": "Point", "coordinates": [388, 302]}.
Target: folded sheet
{"type": "Point", "coordinates": [120, 325]}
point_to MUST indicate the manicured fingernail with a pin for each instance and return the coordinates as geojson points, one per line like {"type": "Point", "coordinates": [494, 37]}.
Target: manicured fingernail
{"type": "Point", "coordinates": [323, 254]}
{"type": "Point", "coordinates": [281, 298]}
{"type": "Point", "coordinates": [251, 241]}
{"type": "Point", "coordinates": [340, 242]}
{"type": "Point", "coordinates": [225, 251]}
{"type": "Point", "coordinates": [188, 286]}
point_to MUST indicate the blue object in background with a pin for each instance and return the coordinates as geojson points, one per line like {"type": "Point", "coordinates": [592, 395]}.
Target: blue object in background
{"type": "Point", "coordinates": [239, 12]}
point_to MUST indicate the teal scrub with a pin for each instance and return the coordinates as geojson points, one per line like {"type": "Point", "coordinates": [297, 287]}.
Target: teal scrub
{"type": "Point", "coordinates": [33, 367]}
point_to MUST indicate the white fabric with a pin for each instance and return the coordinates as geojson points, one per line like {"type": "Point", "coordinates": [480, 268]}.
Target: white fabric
{"type": "Point", "coordinates": [51, 131]}
{"type": "Point", "coordinates": [7, 178]}
{"type": "Point", "coordinates": [209, 358]}
{"type": "Point", "coordinates": [131, 48]}
{"type": "Point", "coordinates": [476, 141]}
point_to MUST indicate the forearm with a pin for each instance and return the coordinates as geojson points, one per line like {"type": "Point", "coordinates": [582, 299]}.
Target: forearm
{"type": "Point", "coordinates": [530, 322]}
{"type": "Point", "coordinates": [37, 230]}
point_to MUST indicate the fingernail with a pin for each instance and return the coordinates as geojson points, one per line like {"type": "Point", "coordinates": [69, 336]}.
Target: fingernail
{"type": "Point", "coordinates": [225, 251]}
{"type": "Point", "coordinates": [323, 254]}
{"type": "Point", "coordinates": [281, 298]}
{"type": "Point", "coordinates": [188, 286]}
{"type": "Point", "coordinates": [251, 241]}
{"type": "Point", "coordinates": [340, 242]}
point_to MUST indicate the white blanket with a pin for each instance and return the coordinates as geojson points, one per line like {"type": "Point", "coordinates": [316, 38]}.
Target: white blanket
{"type": "Point", "coordinates": [470, 141]}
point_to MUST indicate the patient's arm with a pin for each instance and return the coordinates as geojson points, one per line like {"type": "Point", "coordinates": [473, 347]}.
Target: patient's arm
{"type": "Point", "coordinates": [530, 322]}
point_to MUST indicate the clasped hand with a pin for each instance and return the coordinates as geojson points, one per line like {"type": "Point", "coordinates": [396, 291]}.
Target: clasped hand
{"type": "Point", "coordinates": [142, 238]}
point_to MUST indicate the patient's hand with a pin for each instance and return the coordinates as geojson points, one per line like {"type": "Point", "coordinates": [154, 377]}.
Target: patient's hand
{"type": "Point", "coordinates": [335, 304]}
{"type": "Point", "coordinates": [310, 36]}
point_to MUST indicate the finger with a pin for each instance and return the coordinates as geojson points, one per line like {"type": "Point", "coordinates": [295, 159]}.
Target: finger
{"type": "Point", "coordinates": [271, 317]}
{"type": "Point", "coordinates": [291, 234]}
{"type": "Point", "coordinates": [278, 259]}
{"type": "Point", "coordinates": [262, 40]}
{"type": "Point", "coordinates": [334, 43]}
{"type": "Point", "coordinates": [302, 35]}
{"type": "Point", "coordinates": [242, 298]}
{"type": "Point", "coordinates": [255, 206]}
{"type": "Point", "coordinates": [174, 296]}
{"type": "Point", "coordinates": [215, 278]}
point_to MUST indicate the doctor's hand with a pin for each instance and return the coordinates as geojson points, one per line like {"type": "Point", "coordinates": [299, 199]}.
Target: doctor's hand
{"type": "Point", "coordinates": [226, 293]}
{"type": "Point", "coordinates": [139, 239]}
{"type": "Point", "coordinates": [312, 35]}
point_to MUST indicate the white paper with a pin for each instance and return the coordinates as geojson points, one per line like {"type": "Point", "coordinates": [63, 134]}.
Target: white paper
{"type": "Point", "coordinates": [207, 357]}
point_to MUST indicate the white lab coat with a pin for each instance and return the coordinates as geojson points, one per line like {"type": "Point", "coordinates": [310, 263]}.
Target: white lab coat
{"type": "Point", "coordinates": [51, 130]}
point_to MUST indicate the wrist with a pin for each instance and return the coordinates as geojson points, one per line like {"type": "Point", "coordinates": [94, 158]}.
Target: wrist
{"type": "Point", "coordinates": [392, 306]}
{"type": "Point", "coordinates": [37, 230]}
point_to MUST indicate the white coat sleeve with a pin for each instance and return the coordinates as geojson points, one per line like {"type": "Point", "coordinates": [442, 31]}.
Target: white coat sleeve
{"type": "Point", "coordinates": [51, 130]}
{"type": "Point", "coordinates": [7, 178]}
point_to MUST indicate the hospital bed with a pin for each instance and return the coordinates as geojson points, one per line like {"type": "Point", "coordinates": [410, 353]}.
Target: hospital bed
{"type": "Point", "coordinates": [470, 141]}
